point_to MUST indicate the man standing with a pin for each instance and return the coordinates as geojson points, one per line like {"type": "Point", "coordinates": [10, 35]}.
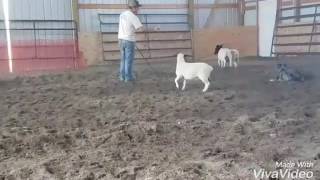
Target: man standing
{"type": "Point", "coordinates": [128, 24]}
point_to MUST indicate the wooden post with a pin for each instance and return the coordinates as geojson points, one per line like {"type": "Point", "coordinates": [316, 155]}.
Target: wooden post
{"type": "Point", "coordinates": [258, 39]}
{"type": "Point", "coordinates": [191, 13]}
{"type": "Point", "coordinates": [75, 12]}
{"type": "Point", "coordinates": [191, 23]}
{"type": "Point", "coordinates": [241, 11]}
{"type": "Point", "coordinates": [297, 12]}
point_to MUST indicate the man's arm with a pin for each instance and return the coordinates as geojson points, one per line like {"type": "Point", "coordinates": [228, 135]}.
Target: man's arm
{"type": "Point", "coordinates": [140, 28]}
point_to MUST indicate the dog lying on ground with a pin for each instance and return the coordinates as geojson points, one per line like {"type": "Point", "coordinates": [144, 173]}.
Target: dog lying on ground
{"type": "Point", "coordinates": [284, 73]}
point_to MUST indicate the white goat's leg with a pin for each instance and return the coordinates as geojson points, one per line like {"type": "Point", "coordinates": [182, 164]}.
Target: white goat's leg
{"type": "Point", "coordinates": [237, 61]}
{"type": "Point", "coordinates": [176, 81]}
{"type": "Point", "coordinates": [206, 83]}
{"type": "Point", "coordinates": [184, 84]}
{"type": "Point", "coordinates": [224, 63]}
{"type": "Point", "coordinates": [219, 63]}
{"type": "Point", "coordinates": [235, 64]}
{"type": "Point", "coordinates": [230, 60]}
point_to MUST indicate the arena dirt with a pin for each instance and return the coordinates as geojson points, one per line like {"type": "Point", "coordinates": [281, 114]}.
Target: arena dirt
{"type": "Point", "coordinates": [87, 125]}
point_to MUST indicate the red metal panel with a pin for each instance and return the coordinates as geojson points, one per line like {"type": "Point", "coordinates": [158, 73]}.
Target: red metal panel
{"type": "Point", "coordinates": [4, 65]}
{"type": "Point", "coordinates": [41, 53]}
{"type": "Point", "coordinates": [49, 56]}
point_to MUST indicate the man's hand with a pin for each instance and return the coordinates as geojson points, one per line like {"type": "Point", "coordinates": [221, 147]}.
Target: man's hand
{"type": "Point", "coordinates": [149, 29]}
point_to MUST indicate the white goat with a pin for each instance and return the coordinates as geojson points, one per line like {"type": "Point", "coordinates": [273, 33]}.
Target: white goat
{"type": "Point", "coordinates": [189, 71]}
{"type": "Point", "coordinates": [223, 53]}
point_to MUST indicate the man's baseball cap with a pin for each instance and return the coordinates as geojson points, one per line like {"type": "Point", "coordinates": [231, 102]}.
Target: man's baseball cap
{"type": "Point", "coordinates": [133, 3]}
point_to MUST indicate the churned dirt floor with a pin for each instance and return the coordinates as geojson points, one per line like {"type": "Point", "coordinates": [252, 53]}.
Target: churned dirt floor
{"type": "Point", "coordinates": [87, 125]}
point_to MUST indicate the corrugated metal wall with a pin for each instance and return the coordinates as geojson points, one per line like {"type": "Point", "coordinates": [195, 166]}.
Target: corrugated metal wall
{"type": "Point", "coordinates": [303, 11]}
{"type": "Point", "coordinates": [40, 9]}
{"type": "Point", "coordinates": [222, 17]}
{"type": "Point", "coordinates": [42, 35]}
{"type": "Point", "coordinates": [2, 33]}
{"type": "Point", "coordinates": [250, 17]}
{"type": "Point", "coordinates": [89, 21]}
{"type": "Point", "coordinates": [1, 10]}
{"type": "Point", "coordinates": [62, 9]}
{"type": "Point", "coordinates": [204, 17]}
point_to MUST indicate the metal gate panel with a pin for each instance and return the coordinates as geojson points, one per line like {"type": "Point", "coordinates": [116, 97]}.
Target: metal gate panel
{"type": "Point", "coordinates": [296, 31]}
{"type": "Point", "coordinates": [39, 45]}
{"type": "Point", "coordinates": [171, 34]}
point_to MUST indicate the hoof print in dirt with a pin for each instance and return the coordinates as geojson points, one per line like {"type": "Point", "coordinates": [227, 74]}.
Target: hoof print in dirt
{"type": "Point", "coordinates": [210, 152]}
{"type": "Point", "coordinates": [128, 173]}
{"type": "Point", "coordinates": [271, 178]}
{"type": "Point", "coordinates": [90, 176]}
{"type": "Point", "coordinates": [2, 177]}
{"type": "Point", "coordinates": [89, 126]}
{"type": "Point", "coordinates": [254, 119]}
{"type": "Point", "coordinates": [230, 97]}
{"type": "Point", "coordinates": [207, 153]}
{"type": "Point", "coordinates": [309, 114]}
{"type": "Point", "coordinates": [317, 157]}
{"type": "Point", "coordinates": [228, 164]}
{"type": "Point", "coordinates": [232, 155]}
{"type": "Point", "coordinates": [276, 157]}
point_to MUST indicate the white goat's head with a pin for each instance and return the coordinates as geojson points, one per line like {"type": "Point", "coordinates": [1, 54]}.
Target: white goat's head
{"type": "Point", "coordinates": [180, 57]}
{"type": "Point", "coordinates": [217, 49]}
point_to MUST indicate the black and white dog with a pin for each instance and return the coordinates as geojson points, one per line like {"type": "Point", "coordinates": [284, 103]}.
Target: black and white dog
{"type": "Point", "coordinates": [284, 73]}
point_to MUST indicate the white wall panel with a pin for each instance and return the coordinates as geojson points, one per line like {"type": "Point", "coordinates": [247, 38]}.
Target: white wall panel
{"type": "Point", "coordinates": [1, 10]}
{"type": "Point", "coordinates": [89, 21]}
{"type": "Point", "coordinates": [211, 18]}
{"type": "Point", "coordinates": [40, 9]}
{"type": "Point", "coordinates": [267, 17]}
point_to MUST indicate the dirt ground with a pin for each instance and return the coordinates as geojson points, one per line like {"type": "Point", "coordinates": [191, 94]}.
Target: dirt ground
{"type": "Point", "coordinates": [87, 125]}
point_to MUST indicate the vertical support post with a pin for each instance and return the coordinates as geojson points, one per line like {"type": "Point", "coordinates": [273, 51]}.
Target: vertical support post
{"type": "Point", "coordinates": [191, 22]}
{"type": "Point", "coordinates": [241, 11]}
{"type": "Point", "coordinates": [297, 12]}
{"type": "Point", "coordinates": [75, 23]}
{"type": "Point", "coordinates": [258, 28]}
{"type": "Point", "coordinates": [313, 28]}
{"type": "Point", "coordinates": [275, 28]}
{"type": "Point", "coordinates": [75, 11]}
{"type": "Point", "coordinates": [35, 39]}
{"type": "Point", "coordinates": [191, 14]}
{"type": "Point", "coordinates": [148, 38]}
{"type": "Point", "coordinates": [77, 56]}
{"type": "Point", "coordinates": [102, 37]}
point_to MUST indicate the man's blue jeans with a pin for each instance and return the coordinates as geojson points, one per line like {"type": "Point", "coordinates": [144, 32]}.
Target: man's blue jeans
{"type": "Point", "coordinates": [127, 57]}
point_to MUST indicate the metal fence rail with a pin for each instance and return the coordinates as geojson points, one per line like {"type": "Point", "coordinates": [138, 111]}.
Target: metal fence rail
{"type": "Point", "coordinates": [167, 22]}
{"type": "Point", "coordinates": [163, 27]}
{"type": "Point", "coordinates": [307, 22]}
{"type": "Point", "coordinates": [53, 43]}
